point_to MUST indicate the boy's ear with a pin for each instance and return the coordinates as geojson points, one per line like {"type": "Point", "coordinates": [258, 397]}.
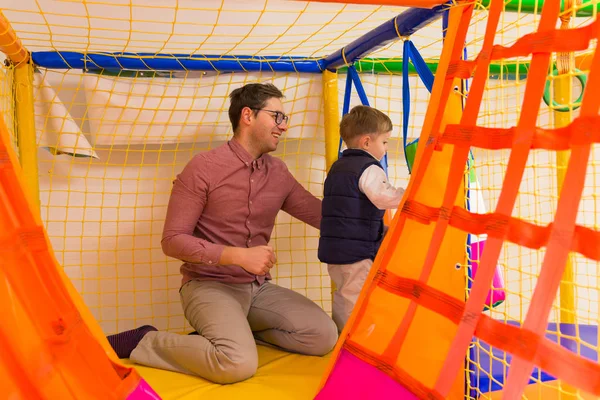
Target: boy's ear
{"type": "Point", "coordinates": [364, 141]}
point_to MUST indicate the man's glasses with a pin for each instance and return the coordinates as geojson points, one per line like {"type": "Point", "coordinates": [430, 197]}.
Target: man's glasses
{"type": "Point", "coordinates": [278, 116]}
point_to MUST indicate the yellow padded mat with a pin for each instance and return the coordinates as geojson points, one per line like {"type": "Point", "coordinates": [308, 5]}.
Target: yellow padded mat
{"type": "Point", "coordinates": [280, 375]}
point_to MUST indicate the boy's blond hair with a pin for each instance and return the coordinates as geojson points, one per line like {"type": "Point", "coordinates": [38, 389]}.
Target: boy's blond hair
{"type": "Point", "coordinates": [363, 120]}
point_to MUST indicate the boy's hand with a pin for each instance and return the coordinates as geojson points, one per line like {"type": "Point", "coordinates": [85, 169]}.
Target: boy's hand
{"type": "Point", "coordinates": [385, 230]}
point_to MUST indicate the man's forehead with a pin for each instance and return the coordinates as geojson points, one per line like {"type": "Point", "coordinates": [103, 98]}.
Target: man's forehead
{"type": "Point", "coordinates": [275, 104]}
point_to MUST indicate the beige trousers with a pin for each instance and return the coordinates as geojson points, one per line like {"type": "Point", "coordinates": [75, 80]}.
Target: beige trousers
{"type": "Point", "coordinates": [230, 319]}
{"type": "Point", "coordinates": [349, 280]}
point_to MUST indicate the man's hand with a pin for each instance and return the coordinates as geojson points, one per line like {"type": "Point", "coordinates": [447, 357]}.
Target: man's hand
{"type": "Point", "coordinates": [257, 260]}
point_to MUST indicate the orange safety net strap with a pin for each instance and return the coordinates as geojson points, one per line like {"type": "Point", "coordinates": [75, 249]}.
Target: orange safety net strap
{"type": "Point", "coordinates": [521, 343]}
{"type": "Point", "coordinates": [455, 177]}
{"type": "Point", "coordinates": [391, 353]}
{"type": "Point", "coordinates": [540, 44]}
{"type": "Point", "coordinates": [460, 16]}
{"type": "Point", "coordinates": [581, 131]}
{"type": "Point", "coordinates": [559, 40]}
{"type": "Point", "coordinates": [586, 241]}
{"type": "Point", "coordinates": [560, 237]}
{"type": "Point", "coordinates": [561, 232]}
{"type": "Point", "coordinates": [67, 351]}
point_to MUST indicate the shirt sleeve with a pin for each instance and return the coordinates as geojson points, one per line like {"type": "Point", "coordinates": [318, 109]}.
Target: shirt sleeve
{"type": "Point", "coordinates": [186, 204]}
{"type": "Point", "coordinates": [301, 204]}
{"type": "Point", "coordinates": [374, 184]}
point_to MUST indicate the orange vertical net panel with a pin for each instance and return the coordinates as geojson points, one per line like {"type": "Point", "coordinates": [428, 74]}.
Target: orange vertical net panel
{"type": "Point", "coordinates": [427, 315]}
{"type": "Point", "coordinates": [47, 345]}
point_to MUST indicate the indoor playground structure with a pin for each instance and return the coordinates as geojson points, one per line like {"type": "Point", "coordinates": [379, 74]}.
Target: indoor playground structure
{"type": "Point", "coordinates": [486, 285]}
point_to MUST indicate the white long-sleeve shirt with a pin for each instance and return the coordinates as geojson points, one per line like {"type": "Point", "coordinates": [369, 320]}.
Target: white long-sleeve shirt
{"type": "Point", "coordinates": [375, 185]}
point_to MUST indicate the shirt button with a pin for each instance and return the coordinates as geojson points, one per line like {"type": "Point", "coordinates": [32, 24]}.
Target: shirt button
{"type": "Point", "coordinates": [250, 201]}
{"type": "Point", "coordinates": [210, 261]}
{"type": "Point", "coordinates": [251, 180]}
{"type": "Point", "coordinates": [248, 222]}
{"type": "Point", "coordinates": [247, 164]}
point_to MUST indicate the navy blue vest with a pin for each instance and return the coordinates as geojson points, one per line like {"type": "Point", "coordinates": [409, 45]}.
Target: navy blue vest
{"type": "Point", "coordinates": [352, 227]}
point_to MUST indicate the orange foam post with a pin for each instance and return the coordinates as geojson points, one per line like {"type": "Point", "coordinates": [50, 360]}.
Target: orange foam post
{"type": "Point", "coordinates": [10, 43]}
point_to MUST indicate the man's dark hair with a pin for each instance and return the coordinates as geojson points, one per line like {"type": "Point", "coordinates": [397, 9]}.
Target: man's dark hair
{"type": "Point", "coordinates": [252, 95]}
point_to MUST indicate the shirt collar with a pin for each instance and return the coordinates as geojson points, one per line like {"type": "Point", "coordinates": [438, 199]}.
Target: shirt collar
{"type": "Point", "coordinates": [244, 156]}
{"type": "Point", "coordinates": [364, 151]}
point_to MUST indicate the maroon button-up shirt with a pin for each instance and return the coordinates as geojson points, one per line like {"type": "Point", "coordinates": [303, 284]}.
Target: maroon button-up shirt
{"type": "Point", "coordinates": [226, 198]}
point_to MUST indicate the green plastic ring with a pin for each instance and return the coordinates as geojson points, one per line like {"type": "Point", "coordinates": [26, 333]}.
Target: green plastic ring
{"type": "Point", "coordinates": [582, 77]}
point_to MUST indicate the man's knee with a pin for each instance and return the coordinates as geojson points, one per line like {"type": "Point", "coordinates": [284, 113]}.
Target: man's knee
{"type": "Point", "coordinates": [237, 370]}
{"type": "Point", "coordinates": [320, 335]}
{"type": "Point", "coordinates": [230, 367]}
{"type": "Point", "coordinates": [329, 335]}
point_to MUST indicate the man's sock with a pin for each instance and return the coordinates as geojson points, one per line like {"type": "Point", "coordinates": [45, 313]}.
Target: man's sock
{"type": "Point", "coordinates": [123, 343]}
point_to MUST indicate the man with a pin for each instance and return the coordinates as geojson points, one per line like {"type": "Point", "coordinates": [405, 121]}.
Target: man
{"type": "Point", "coordinates": [219, 221]}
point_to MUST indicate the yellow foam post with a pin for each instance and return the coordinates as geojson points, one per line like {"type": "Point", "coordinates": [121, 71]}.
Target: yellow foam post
{"type": "Point", "coordinates": [562, 91]}
{"type": "Point", "coordinates": [331, 114]}
{"type": "Point", "coordinates": [26, 137]}
{"type": "Point", "coordinates": [563, 87]}
{"type": "Point", "coordinates": [23, 94]}
{"type": "Point", "coordinates": [562, 94]}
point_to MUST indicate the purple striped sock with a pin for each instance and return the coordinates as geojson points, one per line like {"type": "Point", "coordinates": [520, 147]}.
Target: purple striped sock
{"type": "Point", "coordinates": [123, 343]}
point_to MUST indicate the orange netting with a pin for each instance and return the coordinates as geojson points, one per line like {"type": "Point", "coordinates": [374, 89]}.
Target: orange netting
{"type": "Point", "coordinates": [417, 298]}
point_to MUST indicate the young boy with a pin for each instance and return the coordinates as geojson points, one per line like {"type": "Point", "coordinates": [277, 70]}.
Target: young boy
{"type": "Point", "coordinates": [356, 195]}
